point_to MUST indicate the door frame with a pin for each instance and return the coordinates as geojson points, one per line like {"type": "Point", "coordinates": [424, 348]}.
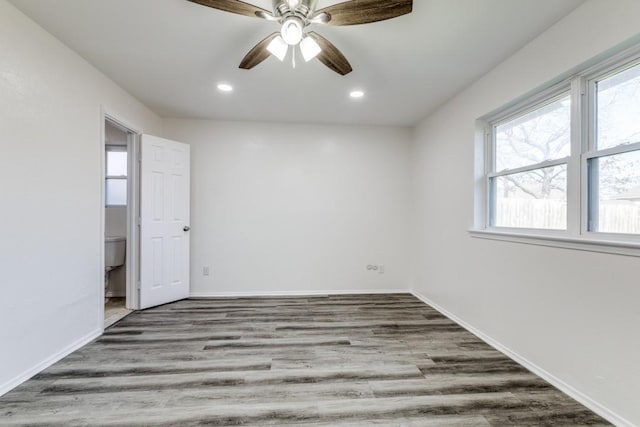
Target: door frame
{"type": "Point", "coordinates": [133, 210]}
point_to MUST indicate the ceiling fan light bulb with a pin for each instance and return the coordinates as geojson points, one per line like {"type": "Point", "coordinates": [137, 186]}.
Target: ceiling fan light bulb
{"type": "Point", "coordinates": [278, 48]}
{"type": "Point", "coordinates": [309, 48]}
{"type": "Point", "coordinates": [292, 31]}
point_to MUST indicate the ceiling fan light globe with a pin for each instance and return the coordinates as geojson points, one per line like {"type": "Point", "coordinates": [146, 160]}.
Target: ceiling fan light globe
{"type": "Point", "coordinates": [309, 48]}
{"type": "Point", "coordinates": [292, 31]}
{"type": "Point", "coordinates": [278, 48]}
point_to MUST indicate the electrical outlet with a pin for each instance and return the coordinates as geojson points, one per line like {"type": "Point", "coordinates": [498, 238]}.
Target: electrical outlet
{"type": "Point", "coordinates": [376, 267]}
{"type": "Point", "coordinates": [205, 271]}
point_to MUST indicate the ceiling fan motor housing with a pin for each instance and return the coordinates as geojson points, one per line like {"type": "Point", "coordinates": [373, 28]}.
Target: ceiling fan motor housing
{"type": "Point", "coordinates": [300, 8]}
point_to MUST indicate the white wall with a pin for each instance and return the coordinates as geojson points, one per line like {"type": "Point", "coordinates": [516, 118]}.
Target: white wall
{"type": "Point", "coordinates": [50, 193]}
{"type": "Point", "coordinates": [115, 221]}
{"type": "Point", "coordinates": [574, 314]}
{"type": "Point", "coordinates": [113, 135]}
{"type": "Point", "coordinates": [296, 208]}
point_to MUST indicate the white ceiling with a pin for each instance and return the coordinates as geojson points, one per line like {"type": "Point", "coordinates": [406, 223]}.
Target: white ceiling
{"type": "Point", "coordinates": [170, 54]}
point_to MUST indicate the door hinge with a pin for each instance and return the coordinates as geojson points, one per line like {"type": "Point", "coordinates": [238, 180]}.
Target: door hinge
{"type": "Point", "coordinates": [139, 222]}
{"type": "Point", "coordinates": [138, 285]}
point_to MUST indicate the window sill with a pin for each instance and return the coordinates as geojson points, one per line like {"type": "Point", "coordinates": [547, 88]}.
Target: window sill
{"type": "Point", "coordinates": [617, 247]}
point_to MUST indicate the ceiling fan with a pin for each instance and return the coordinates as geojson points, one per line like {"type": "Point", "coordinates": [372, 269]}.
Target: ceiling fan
{"type": "Point", "coordinates": [294, 16]}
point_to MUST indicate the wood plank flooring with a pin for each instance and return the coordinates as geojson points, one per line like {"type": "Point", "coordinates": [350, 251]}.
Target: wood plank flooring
{"type": "Point", "coordinates": [349, 360]}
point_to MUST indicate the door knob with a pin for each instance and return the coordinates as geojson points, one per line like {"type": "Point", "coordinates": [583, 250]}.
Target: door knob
{"type": "Point", "coordinates": [186, 228]}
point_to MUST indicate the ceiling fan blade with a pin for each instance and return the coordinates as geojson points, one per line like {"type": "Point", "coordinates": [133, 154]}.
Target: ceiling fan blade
{"type": "Point", "coordinates": [258, 54]}
{"type": "Point", "coordinates": [235, 6]}
{"type": "Point", "coordinates": [365, 11]}
{"type": "Point", "coordinates": [330, 55]}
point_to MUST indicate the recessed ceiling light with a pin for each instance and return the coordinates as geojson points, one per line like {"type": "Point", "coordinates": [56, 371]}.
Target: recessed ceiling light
{"type": "Point", "coordinates": [356, 94]}
{"type": "Point", "coordinates": [225, 87]}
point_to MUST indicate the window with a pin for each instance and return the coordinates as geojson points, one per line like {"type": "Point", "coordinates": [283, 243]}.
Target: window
{"type": "Point", "coordinates": [529, 184]}
{"type": "Point", "coordinates": [116, 175]}
{"type": "Point", "coordinates": [564, 164]}
{"type": "Point", "coordinates": [614, 159]}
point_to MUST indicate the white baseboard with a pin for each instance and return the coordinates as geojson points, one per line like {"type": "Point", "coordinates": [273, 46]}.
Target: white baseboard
{"type": "Point", "coordinates": [296, 293]}
{"type": "Point", "coordinates": [15, 382]}
{"type": "Point", "coordinates": [569, 390]}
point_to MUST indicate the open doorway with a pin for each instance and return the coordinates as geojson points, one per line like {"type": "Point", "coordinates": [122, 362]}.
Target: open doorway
{"type": "Point", "coordinates": [145, 221]}
{"type": "Point", "coordinates": [120, 224]}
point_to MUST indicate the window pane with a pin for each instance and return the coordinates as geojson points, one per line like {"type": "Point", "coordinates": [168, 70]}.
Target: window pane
{"type": "Point", "coordinates": [542, 134]}
{"type": "Point", "coordinates": [116, 192]}
{"type": "Point", "coordinates": [614, 193]}
{"type": "Point", "coordinates": [116, 163]}
{"type": "Point", "coordinates": [618, 109]}
{"type": "Point", "coordinates": [534, 199]}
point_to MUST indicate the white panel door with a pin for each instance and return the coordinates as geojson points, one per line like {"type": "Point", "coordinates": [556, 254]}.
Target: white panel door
{"type": "Point", "coordinates": [164, 221]}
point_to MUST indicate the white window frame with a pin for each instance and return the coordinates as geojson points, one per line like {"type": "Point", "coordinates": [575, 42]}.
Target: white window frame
{"type": "Point", "coordinates": [582, 89]}
{"type": "Point", "coordinates": [118, 148]}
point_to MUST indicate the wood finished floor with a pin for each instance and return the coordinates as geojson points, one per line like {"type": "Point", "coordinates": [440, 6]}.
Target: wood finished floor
{"type": "Point", "coordinates": [349, 360]}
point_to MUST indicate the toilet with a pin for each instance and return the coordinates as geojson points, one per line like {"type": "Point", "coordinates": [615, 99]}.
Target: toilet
{"type": "Point", "coordinates": [114, 254]}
